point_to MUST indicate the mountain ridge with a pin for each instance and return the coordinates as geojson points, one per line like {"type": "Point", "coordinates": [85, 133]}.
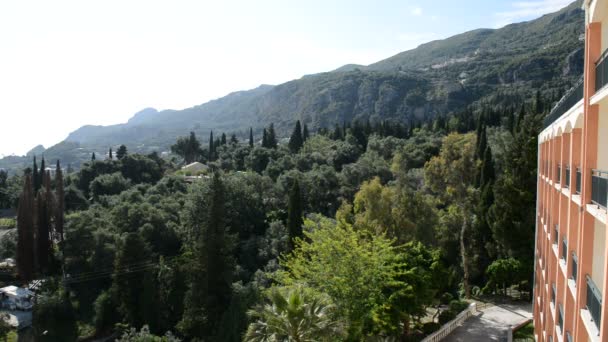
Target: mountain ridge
{"type": "Point", "coordinates": [440, 77]}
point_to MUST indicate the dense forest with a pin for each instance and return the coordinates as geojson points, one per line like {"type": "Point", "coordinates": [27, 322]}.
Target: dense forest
{"type": "Point", "coordinates": [348, 233]}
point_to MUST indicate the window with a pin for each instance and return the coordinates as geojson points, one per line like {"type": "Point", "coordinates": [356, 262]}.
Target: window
{"type": "Point", "coordinates": [567, 180]}
{"type": "Point", "coordinates": [559, 174]}
{"type": "Point", "coordinates": [560, 319]}
{"type": "Point", "coordinates": [553, 293]}
{"type": "Point", "coordinates": [564, 249]}
{"type": "Point", "coordinates": [556, 234]}
{"type": "Point", "coordinates": [579, 180]}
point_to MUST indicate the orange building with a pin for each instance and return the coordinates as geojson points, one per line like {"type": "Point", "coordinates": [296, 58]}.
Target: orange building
{"type": "Point", "coordinates": [571, 269]}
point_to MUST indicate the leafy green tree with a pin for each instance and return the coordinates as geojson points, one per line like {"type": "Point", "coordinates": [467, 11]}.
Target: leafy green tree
{"type": "Point", "coordinates": [293, 314]}
{"type": "Point", "coordinates": [5, 328]}
{"type": "Point", "coordinates": [122, 152]}
{"type": "Point", "coordinates": [54, 318]}
{"type": "Point", "coordinates": [109, 184]}
{"type": "Point", "coordinates": [105, 312]}
{"type": "Point", "coordinates": [359, 271]}
{"type": "Point", "coordinates": [504, 273]}
{"type": "Point", "coordinates": [211, 270]}
{"type": "Point", "coordinates": [296, 141]}
{"type": "Point", "coordinates": [188, 148]}
{"type": "Point", "coordinates": [133, 284]}
{"type": "Point", "coordinates": [144, 335]}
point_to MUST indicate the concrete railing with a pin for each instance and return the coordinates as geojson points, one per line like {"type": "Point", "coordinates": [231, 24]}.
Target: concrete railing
{"type": "Point", "coordinates": [447, 328]}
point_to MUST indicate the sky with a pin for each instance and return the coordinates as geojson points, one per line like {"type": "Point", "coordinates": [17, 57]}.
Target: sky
{"type": "Point", "coordinates": [65, 64]}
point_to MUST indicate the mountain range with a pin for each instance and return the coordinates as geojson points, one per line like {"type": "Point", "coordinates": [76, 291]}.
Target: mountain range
{"type": "Point", "coordinates": [437, 78]}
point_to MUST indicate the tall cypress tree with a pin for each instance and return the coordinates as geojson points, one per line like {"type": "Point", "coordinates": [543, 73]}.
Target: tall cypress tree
{"type": "Point", "coordinates": [25, 231]}
{"type": "Point", "coordinates": [35, 178]}
{"type": "Point", "coordinates": [93, 156]}
{"type": "Point", "coordinates": [211, 147]}
{"type": "Point", "coordinates": [44, 213]}
{"type": "Point", "coordinates": [296, 141]}
{"type": "Point", "coordinates": [482, 143]}
{"type": "Point", "coordinates": [210, 284]}
{"type": "Point", "coordinates": [305, 133]}
{"type": "Point", "coordinates": [294, 214]}
{"type": "Point", "coordinates": [488, 173]}
{"type": "Point", "coordinates": [265, 138]}
{"type": "Point", "coordinates": [272, 137]}
{"type": "Point", "coordinates": [223, 141]}
{"type": "Point", "coordinates": [60, 200]}
{"type": "Point", "coordinates": [42, 172]}
{"type": "Point", "coordinates": [250, 137]}
{"type": "Point", "coordinates": [110, 155]}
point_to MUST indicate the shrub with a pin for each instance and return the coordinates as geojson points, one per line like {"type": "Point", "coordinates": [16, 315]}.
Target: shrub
{"type": "Point", "coordinates": [430, 327]}
{"type": "Point", "coordinates": [7, 223]}
{"type": "Point", "coordinates": [457, 306]}
{"type": "Point", "coordinates": [446, 316]}
{"type": "Point", "coordinates": [446, 298]}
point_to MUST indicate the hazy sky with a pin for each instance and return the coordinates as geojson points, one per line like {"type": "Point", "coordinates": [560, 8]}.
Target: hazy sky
{"type": "Point", "coordinates": [64, 64]}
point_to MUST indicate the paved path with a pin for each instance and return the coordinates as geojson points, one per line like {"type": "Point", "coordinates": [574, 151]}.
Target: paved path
{"type": "Point", "coordinates": [491, 324]}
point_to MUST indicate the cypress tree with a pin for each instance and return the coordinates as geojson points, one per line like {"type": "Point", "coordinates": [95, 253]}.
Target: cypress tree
{"type": "Point", "coordinates": [520, 118]}
{"type": "Point", "coordinates": [122, 152]}
{"type": "Point", "coordinates": [296, 141]}
{"type": "Point", "coordinates": [250, 137]}
{"type": "Point", "coordinates": [110, 155]}
{"type": "Point", "coordinates": [25, 231]}
{"type": "Point", "coordinates": [482, 143]}
{"type": "Point", "coordinates": [488, 173]}
{"type": "Point", "coordinates": [93, 156]}
{"type": "Point", "coordinates": [294, 214]}
{"type": "Point", "coordinates": [539, 106]}
{"type": "Point", "coordinates": [35, 177]}
{"type": "Point", "coordinates": [233, 139]}
{"type": "Point", "coordinates": [42, 172]}
{"type": "Point", "coordinates": [223, 141]}
{"type": "Point", "coordinates": [272, 137]}
{"type": "Point", "coordinates": [305, 133]}
{"type": "Point", "coordinates": [337, 135]}
{"type": "Point", "coordinates": [44, 212]}
{"type": "Point", "coordinates": [60, 200]}
{"type": "Point", "coordinates": [210, 284]}
{"type": "Point", "coordinates": [211, 147]}
{"type": "Point", "coordinates": [265, 138]}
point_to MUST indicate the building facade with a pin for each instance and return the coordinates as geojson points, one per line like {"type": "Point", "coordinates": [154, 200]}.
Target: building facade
{"type": "Point", "coordinates": [571, 266]}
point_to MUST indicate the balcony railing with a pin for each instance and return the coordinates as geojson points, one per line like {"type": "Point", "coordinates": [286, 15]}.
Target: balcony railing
{"type": "Point", "coordinates": [558, 177]}
{"type": "Point", "coordinates": [556, 234]}
{"type": "Point", "coordinates": [599, 188]}
{"type": "Point", "coordinates": [572, 97]}
{"type": "Point", "coordinates": [574, 267]}
{"type": "Point", "coordinates": [579, 180]}
{"type": "Point", "coordinates": [564, 249]}
{"type": "Point", "coordinates": [601, 71]}
{"type": "Point", "coordinates": [594, 302]}
{"type": "Point", "coordinates": [560, 320]}
{"type": "Point", "coordinates": [567, 181]}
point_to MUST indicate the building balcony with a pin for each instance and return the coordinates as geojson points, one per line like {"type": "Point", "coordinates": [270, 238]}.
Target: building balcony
{"type": "Point", "coordinates": [594, 302]}
{"type": "Point", "coordinates": [601, 72]}
{"type": "Point", "coordinates": [571, 98]}
{"type": "Point", "coordinates": [599, 188]}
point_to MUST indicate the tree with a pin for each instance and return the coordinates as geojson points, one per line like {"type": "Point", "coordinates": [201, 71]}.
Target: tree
{"type": "Point", "coordinates": [449, 176]}
{"type": "Point", "coordinates": [233, 139]}
{"type": "Point", "coordinates": [361, 273]}
{"type": "Point", "coordinates": [133, 283]}
{"type": "Point", "coordinates": [144, 335]}
{"type": "Point", "coordinates": [296, 141]}
{"type": "Point", "coordinates": [122, 152]}
{"type": "Point", "coordinates": [294, 214]}
{"type": "Point", "coordinates": [504, 273]}
{"type": "Point", "coordinates": [250, 137]}
{"type": "Point", "coordinates": [295, 315]}
{"type": "Point", "coordinates": [60, 201]}
{"type": "Point", "coordinates": [37, 181]}
{"type": "Point", "coordinates": [44, 213]}
{"type": "Point", "coordinates": [305, 134]}
{"type": "Point", "coordinates": [210, 281]}
{"type": "Point", "coordinates": [211, 147]}
{"type": "Point", "coordinates": [93, 156]}
{"type": "Point", "coordinates": [223, 141]}
{"type": "Point", "coordinates": [25, 231]}
{"type": "Point", "coordinates": [188, 148]}
{"type": "Point", "coordinates": [5, 328]}
{"type": "Point", "coordinates": [54, 318]}
{"type": "Point", "coordinates": [110, 154]}
{"type": "Point", "coordinates": [264, 138]}
{"type": "Point", "coordinates": [271, 139]}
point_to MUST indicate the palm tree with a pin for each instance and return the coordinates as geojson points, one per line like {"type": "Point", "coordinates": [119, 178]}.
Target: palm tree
{"type": "Point", "coordinates": [296, 316]}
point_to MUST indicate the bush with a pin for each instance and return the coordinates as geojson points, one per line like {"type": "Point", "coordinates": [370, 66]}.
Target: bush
{"type": "Point", "coordinates": [430, 327]}
{"type": "Point", "coordinates": [446, 316]}
{"type": "Point", "coordinates": [7, 223]}
{"type": "Point", "coordinates": [457, 306]}
{"type": "Point", "coordinates": [446, 298]}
